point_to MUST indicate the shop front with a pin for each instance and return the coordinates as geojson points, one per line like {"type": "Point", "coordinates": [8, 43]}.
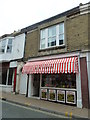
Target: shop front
{"type": "Point", "coordinates": [59, 87]}
{"type": "Point", "coordinates": [58, 79]}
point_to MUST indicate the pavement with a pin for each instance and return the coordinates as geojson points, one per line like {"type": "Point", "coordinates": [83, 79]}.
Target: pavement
{"type": "Point", "coordinates": [56, 108]}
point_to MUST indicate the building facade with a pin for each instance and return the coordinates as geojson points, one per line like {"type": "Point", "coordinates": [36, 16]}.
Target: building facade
{"type": "Point", "coordinates": [57, 53]}
{"type": "Point", "coordinates": [11, 54]}
{"type": "Point", "coordinates": [50, 60]}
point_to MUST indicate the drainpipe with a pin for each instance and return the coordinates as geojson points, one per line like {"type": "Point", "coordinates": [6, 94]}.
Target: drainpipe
{"type": "Point", "coordinates": [27, 85]}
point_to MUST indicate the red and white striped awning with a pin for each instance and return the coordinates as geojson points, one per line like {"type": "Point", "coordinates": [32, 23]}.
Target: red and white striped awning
{"type": "Point", "coordinates": [64, 65]}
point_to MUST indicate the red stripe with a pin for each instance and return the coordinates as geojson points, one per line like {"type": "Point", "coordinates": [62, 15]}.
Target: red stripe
{"type": "Point", "coordinates": [73, 70]}
{"type": "Point", "coordinates": [60, 68]}
{"type": "Point", "coordinates": [52, 66]}
{"type": "Point", "coordinates": [70, 66]}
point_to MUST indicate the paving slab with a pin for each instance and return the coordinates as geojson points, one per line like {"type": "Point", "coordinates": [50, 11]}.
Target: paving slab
{"type": "Point", "coordinates": [53, 107]}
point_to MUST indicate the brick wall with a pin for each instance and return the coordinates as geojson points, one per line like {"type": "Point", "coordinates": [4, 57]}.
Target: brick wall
{"type": "Point", "coordinates": [77, 33]}
{"type": "Point", "coordinates": [31, 47]}
{"type": "Point", "coordinates": [76, 37]}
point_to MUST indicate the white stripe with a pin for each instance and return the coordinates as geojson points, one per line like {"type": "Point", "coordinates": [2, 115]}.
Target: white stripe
{"type": "Point", "coordinates": [69, 66]}
{"type": "Point", "coordinates": [66, 67]}
{"type": "Point", "coordinates": [61, 67]}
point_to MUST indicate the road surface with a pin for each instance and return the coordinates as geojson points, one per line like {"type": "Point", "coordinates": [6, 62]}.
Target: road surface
{"type": "Point", "coordinates": [11, 110]}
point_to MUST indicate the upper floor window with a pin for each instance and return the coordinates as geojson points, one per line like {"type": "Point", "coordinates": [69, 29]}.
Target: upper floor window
{"type": "Point", "coordinates": [2, 46]}
{"type": "Point", "coordinates": [43, 34]}
{"type": "Point", "coordinates": [52, 36]}
{"type": "Point", "coordinates": [6, 46]}
{"type": "Point", "coordinates": [61, 34]}
{"type": "Point", "coordinates": [9, 45]}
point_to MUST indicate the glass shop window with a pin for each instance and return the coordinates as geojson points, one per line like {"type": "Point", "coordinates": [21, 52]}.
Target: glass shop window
{"type": "Point", "coordinates": [59, 80]}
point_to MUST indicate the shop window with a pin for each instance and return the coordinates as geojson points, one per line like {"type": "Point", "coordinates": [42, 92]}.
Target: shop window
{"type": "Point", "coordinates": [59, 80]}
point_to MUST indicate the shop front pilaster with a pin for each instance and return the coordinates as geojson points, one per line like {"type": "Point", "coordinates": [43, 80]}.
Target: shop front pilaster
{"type": "Point", "coordinates": [30, 86]}
{"type": "Point", "coordinates": [78, 85]}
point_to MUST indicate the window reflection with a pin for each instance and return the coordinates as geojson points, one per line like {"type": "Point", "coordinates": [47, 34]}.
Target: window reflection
{"type": "Point", "coordinates": [59, 80]}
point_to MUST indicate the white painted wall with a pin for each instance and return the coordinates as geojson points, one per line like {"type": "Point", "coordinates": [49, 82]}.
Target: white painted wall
{"type": "Point", "coordinates": [18, 43]}
{"type": "Point", "coordinates": [23, 83]}
{"type": "Point", "coordinates": [6, 88]}
{"type": "Point", "coordinates": [30, 89]}
{"type": "Point", "coordinates": [17, 48]}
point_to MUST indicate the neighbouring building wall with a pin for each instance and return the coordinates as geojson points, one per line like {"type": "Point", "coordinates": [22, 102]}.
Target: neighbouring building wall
{"type": "Point", "coordinates": [89, 31]}
{"type": "Point", "coordinates": [17, 52]}
{"type": "Point", "coordinates": [88, 71]}
{"type": "Point", "coordinates": [84, 81]}
{"type": "Point", "coordinates": [18, 46]}
{"type": "Point", "coordinates": [31, 47]}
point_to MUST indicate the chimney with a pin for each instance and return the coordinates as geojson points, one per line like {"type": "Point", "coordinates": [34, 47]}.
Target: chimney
{"type": "Point", "coordinates": [84, 8]}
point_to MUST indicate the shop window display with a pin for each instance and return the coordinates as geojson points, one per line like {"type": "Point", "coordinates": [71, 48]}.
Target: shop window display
{"type": "Point", "coordinates": [59, 80]}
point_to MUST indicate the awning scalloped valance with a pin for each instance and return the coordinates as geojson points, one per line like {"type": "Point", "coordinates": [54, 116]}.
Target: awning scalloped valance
{"type": "Point", "coordinates": [64, 65]}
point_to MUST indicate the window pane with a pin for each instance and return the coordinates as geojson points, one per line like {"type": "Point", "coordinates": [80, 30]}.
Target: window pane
{"type": "Point", "coordinates": [52, 31]}
{"type": "Point", "coordinates": [3, 42]}
{"type": "Point", "coordinates": [49, 32]}
{"type": "Point", "coordinates": [43, 46]}
{"type": "Point", "coordinates": [60, 42]}
{"type": "Point", "coordinates": [59, 80]}
{"type": "Point", "coordinates": [9, 48]}
{"type": "Point", "coordinates": [3, 50]}
{"type": "Point", "coordinates": [61, 28]}
{"type": "Point", "coordinates": [43, 41]}
{"type": "Point", "coordinates": [49, 40]}
{"type": "Point", "coordinates": [10, 41]}
{"type": "Point", "coordinates": [61, 37]}
{"type": "Point", "coordinates": [52, 41]}
{"type": "Point", "coordinates": [43, 34]}
{"type": "Point", "coordinates": [54, 38]}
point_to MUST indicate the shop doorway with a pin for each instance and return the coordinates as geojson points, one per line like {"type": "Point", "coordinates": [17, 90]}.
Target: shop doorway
{"type": "Point", "coordinates": [36, 85]}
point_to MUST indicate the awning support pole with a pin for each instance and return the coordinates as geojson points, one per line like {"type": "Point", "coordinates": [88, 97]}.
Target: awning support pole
{"type": "Point", "coordinates": [27, 85]}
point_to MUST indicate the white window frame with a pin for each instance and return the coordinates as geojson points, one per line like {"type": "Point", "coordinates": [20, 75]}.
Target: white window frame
{"type": "Point", "coordinates": [52, 36]}
{"type": "Point", "coordinates": [6, 45]}
{"type": "Point", "coordinates": [9, 45]}
{"type": "Point", "coordinates": [3, 47]}
{"type": "Point", "coordinates": [57, 37]}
